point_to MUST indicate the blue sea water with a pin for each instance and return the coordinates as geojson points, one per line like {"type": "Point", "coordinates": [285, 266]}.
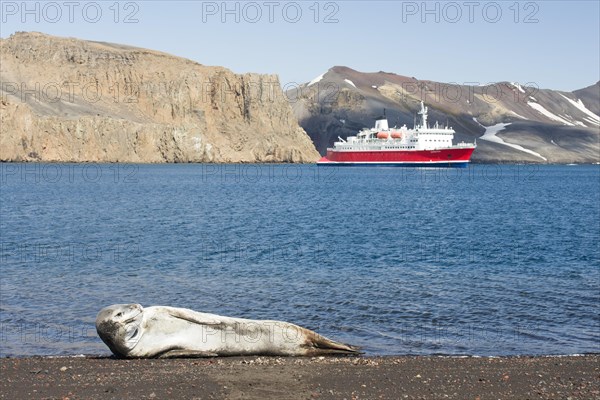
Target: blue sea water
{"type": "Point", "coordinates": [488, 260]}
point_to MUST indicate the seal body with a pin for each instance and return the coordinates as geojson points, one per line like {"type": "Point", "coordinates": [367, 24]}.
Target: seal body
{"type": "Point", "coordinates": [132, 331]}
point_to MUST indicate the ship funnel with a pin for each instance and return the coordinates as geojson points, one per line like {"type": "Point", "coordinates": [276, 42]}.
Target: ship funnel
{"type": "Point", "coordinates": [381, 124]}
{"type": "Point", "coordinates": [423, 113]}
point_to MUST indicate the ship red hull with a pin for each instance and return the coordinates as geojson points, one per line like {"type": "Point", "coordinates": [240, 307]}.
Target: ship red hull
{"type": "Point", "coordinates": [454, 157]}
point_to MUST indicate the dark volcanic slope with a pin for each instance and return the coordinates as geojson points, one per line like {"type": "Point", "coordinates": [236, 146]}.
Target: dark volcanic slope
{"type": "Point", "coordinates": [561, 127]}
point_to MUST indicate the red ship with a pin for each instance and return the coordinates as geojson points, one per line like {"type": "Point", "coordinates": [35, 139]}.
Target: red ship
{"type": "Point", "coordinates": [417, 147]}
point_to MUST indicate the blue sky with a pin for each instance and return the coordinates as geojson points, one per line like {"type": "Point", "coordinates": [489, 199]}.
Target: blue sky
{"type": "Point", "coordinates": [554, 44]}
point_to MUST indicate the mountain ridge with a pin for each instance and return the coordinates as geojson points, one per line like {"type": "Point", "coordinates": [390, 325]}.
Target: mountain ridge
{"type": "Point", "coordinates": [561, 127]}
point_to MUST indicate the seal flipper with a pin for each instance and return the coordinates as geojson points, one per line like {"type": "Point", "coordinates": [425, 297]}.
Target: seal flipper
{"type": "Point", "coordinates": [192, 316]}
{"type": "Point", "coordinates": [182, 353]}
{"type": "Point", "coordinates": [320, 345]}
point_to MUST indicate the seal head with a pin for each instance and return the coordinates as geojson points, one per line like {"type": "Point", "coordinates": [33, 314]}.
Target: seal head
{"type": "Point", "coordinates": [120, 327]}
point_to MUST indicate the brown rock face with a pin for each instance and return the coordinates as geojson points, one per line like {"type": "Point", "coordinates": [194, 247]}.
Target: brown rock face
{"type": "Point", "coordinates": [69, 100]}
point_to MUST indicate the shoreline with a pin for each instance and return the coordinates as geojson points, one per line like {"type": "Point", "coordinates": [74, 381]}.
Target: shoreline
{"type": "Point", "coordinates": [362, 377]}
{"type": "Point", "coordinates": [478, 162]}
{"type": "Point", "coordinates": [110, 356]}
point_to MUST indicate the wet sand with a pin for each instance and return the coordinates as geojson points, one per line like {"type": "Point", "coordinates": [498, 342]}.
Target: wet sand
{"type": "Point", "coordinates": [572, 377]}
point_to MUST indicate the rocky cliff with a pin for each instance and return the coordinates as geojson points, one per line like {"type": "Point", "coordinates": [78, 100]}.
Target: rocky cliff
{"type": "Point", "coordinates": [71, 100]}
{"type": "Point", "coordinates": [539, 125]}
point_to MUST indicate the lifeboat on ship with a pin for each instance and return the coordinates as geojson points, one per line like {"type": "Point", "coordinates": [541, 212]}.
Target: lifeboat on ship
{"type": "Point", "coordinates": [382, 135]}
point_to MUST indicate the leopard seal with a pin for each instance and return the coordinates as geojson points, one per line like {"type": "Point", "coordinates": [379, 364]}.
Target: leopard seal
{"type": "Point", "coordinates": [132, 331]}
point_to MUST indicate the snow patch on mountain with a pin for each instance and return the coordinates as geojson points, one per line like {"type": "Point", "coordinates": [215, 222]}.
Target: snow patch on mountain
{"type": "Point", "coordinates": [490, 136]}
{"type": "Point", "coordinates": [517, 115]}
{"type": "Point", "coordinates": [539, 108]}
{"type": "Point", "coordinates": [348, 81]}
{"type": "Point", "coordinates": [317, 79]}
{"type": "Point", "coordinates": [581, 107]}
{"type": "Point", "coordinates": [516, 84]}
{"type": "Point", "coordinates": [590, 120]}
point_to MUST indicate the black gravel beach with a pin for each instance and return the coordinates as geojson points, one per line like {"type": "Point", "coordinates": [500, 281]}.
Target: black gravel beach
{"type": "Point", "coordinates": [405, 377]}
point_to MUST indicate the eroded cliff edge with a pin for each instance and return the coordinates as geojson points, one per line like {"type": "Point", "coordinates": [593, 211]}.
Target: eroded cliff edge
{"type": "Point", "coordinates": [69, 100]}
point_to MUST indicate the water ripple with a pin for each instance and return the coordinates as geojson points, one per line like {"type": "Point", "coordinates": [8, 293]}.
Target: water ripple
{"type": "Point", "coordinates": [397, 261]}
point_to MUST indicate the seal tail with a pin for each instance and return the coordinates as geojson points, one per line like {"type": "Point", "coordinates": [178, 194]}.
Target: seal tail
{"type": "Point", "coordinates": [320, 345]}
